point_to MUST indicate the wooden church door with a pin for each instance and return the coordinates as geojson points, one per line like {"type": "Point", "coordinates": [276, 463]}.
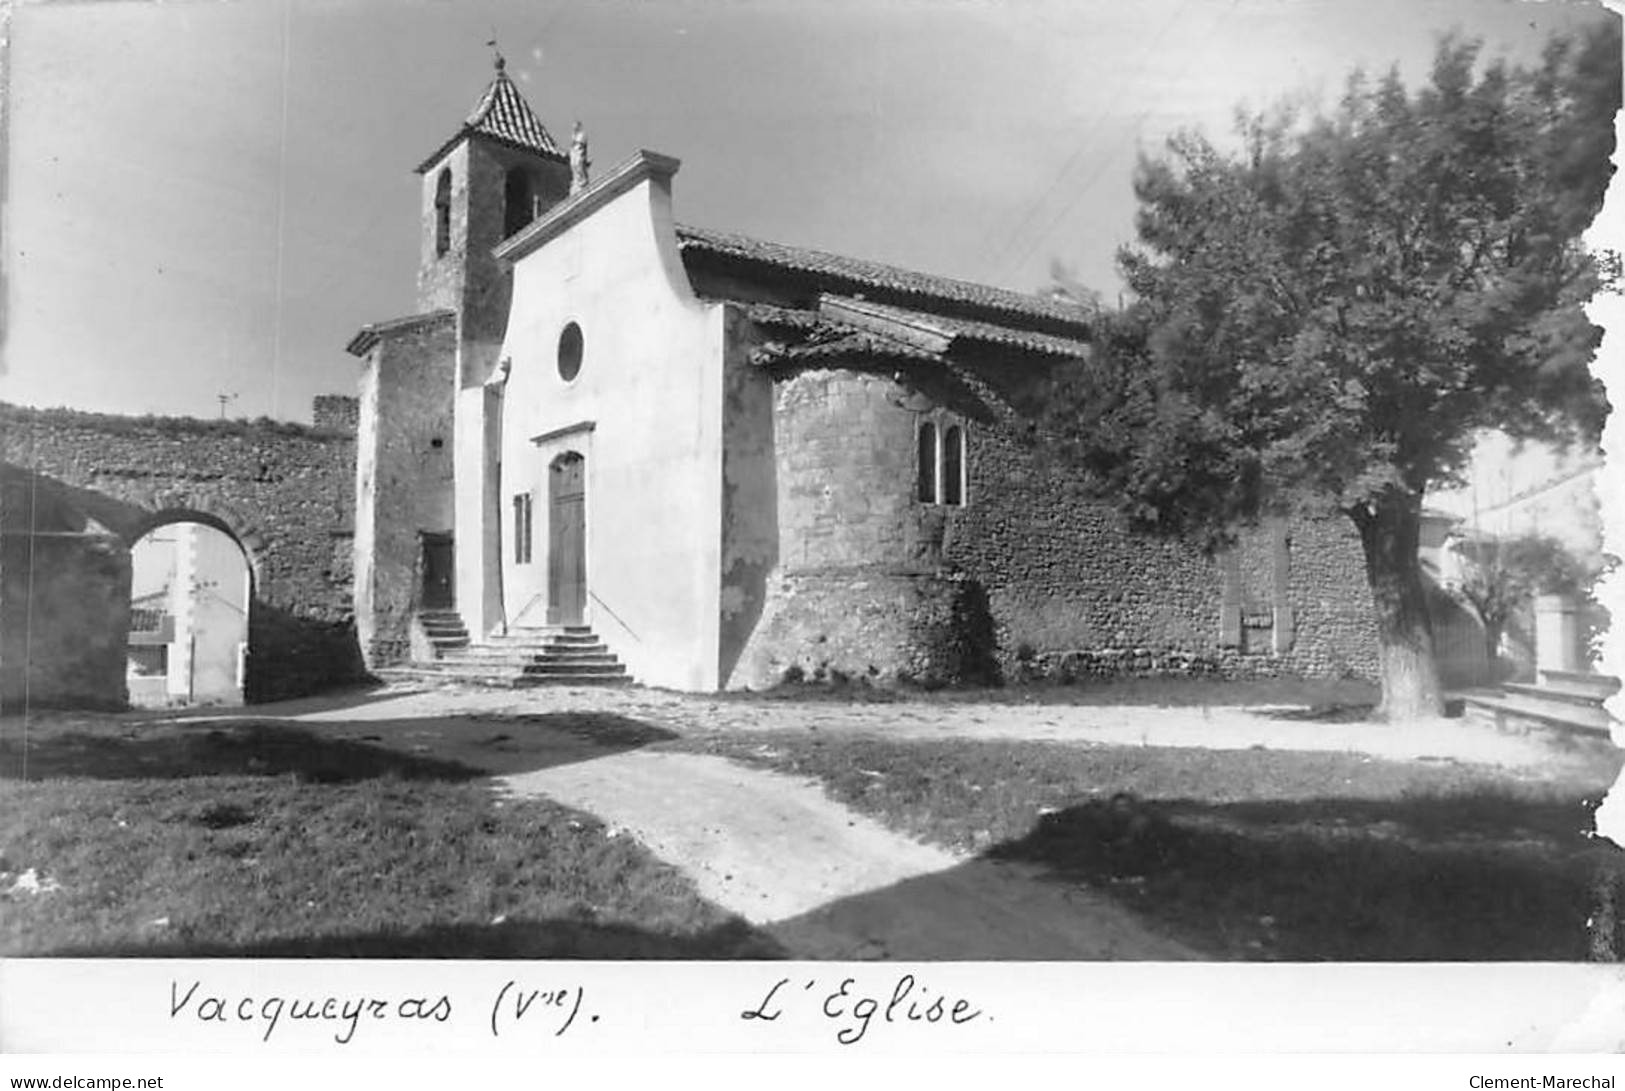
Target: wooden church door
{"type": "Point", "coordinates": [566, 540]}
{"type": "Point", "coordinates": [439, 566]}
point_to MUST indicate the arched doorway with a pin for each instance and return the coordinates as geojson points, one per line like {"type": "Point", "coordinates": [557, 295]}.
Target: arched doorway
{"type": "Point", "coordinates": [189, 595]}
{"type": "Point", "coordinates": [566, 540]}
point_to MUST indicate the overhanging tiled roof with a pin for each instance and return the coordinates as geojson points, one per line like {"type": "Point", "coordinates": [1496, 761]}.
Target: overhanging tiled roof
{"type": "Point", "coordinates": [369, 335]}
{"type": "Point", "coordinates": [503, 115]}
{"type": "Point", "coordinates": [847, 275]}
{"type": "Point", "coordinates": [820, 340]}
{"type": "Point", "coordinates": [953, 329]}
{"type": "Point", "coordinates": [837, 346]}
{"type": "Point", "coordinates": [844, 326]}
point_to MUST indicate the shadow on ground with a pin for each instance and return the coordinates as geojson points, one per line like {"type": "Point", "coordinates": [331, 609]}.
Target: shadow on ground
{"type": "Point", "coordinates": [447, 749]}
{"type": "Point", "coordinates": [1485, 878]}
{"type": "Point", "coordinates": [1478, 879]}
{"type": "Point", "coordinates": [513, 939]}
{"type": "Point", "coordinates": [983, 910]}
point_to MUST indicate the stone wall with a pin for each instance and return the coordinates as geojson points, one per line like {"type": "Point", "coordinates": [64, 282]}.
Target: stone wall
{"type": "Point", "coordinates": [1072, 590]}
{"type": "Point", "coordinates": [467, 279]}
{"type": "Point", "coordinates": [335, 413]}
{"type": "Point", "coordinates": [1038, 581]}
{"type": "Point", "coordinates": [284, 491]}
{"type": "Point", "coordinates": [64, 601]}
{"type": "Point", "coordinates": [403, 479]}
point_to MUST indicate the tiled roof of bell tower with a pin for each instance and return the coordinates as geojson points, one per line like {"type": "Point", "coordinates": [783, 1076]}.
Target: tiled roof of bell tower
{"type": "Point", "coordinates": [503, 115]}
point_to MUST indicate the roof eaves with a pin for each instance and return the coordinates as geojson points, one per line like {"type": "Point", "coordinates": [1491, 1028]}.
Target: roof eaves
{"type": "Point", "coordinates": [938, 333]}
{"type": "Point", "coordinates": [369, 335]}
{"type": "Point", "coordinates": [859, 272]}
{"type": "Point", "coordinates": [908, 327]}
{"type": "Point", "coordinates": [857, 343]}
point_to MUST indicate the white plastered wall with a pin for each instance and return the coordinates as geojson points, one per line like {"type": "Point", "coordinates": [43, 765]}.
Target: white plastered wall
{"type": "Point", "coordinates": [645, 411]}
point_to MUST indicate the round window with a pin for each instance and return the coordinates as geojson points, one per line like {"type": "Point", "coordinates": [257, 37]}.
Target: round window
{"type": "Point", "coordinates": [570, 352]}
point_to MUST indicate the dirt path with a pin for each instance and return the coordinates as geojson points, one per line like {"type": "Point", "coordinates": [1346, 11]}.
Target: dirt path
{"type": "Point", "coordinates": [828, 883]}
{"type": "Point", "coordinates": [1226, 727]}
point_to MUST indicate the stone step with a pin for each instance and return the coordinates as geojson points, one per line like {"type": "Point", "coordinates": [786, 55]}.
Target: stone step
{"type": "Point", "coordinates": [1601, 686]}
{"type": "Point", "coordinates": [577, 651]}
{"type": "Point", "coordinates": [1515, 712]}
{"type": "Point", "coordinates": [544, 636]}
{"type": "Point", "coordinates": [575, 667]}
{"type": "Point", "coordinates": [521, 650]}
{"type": "Point", "coordinates": [1574, 695]}
{"type": "Point", "coordinates": [555, 654]}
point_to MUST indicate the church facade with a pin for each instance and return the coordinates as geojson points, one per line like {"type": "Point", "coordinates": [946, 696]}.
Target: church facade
{"type": "Point", "coordinates": [737, 462]}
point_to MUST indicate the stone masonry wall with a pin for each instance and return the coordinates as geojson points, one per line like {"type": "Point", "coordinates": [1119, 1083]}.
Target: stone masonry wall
{"type": "Point", "coordinates": [1038, 580]}
{"type": "Point", "coordinates": [335, 413]}
{"type": "Point", "coordinates": [404, 483]}
{"type": "Point", "coordinates": [1072, 591]}
{"type": "Point", "coordinates": [284, 491]}
{"type": "Point", "coordinates": [467, 279]}
{"type": "Point", "coordinates": [859, 589]}
{"type": "Point", "coordinates": [64, 601]}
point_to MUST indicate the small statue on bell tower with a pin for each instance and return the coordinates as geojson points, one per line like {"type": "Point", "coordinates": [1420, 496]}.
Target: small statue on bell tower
{"type": "Point", "coordinates": [579, 163]}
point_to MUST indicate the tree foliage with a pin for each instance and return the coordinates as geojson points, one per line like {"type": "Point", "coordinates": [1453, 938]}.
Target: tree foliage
{"type": "Point", "coordinates": [1329, 314]}
{"type": "Point", "coordinates": [1501, 576]}
{"type": "Point", "coordinates": [1338, 307]}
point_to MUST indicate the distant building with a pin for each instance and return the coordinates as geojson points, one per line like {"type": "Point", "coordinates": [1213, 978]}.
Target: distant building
{"type": "Point", "coordinates": [1514, 488]}
{"type": "Point", "coordinates": [1518, 489]}
{"type": "Point", "coordinates": [189, 600]}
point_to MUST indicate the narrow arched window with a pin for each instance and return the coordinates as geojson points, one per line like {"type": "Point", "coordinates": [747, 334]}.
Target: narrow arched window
{"type": "Point", "coordinates": [928, 463]}
{"type": "Point", "coordinates": [953, 465]}
{"type": "Point", "coordinates": [518, 205]}
{"type": "Point", "coordinates": [442, 213]}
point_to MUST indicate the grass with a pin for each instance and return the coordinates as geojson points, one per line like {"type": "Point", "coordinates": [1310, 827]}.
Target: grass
{"type": "Point", "coordinates": [146, 836]}
{"type": "Point", "coordinates": [1250, 854]}
{"type": "Point", "coordinates": [257, 840]}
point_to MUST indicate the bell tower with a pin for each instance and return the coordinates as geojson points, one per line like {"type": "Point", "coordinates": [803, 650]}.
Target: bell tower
{"type": "Point", "coordinates": [495, 175]}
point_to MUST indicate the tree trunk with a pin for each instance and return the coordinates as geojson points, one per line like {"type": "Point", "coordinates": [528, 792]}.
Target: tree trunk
{"type": "Point", "coordinates": [1390, 532]}
{"type": "Point", "coordinates": [1492, 647]}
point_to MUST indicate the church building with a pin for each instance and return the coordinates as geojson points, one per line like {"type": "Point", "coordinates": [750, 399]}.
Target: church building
{"type": "Point", "coordinates": [720, 462]}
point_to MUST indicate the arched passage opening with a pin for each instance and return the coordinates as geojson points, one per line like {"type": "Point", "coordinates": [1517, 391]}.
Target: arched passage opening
{"type": "Point", "coordinates": [190, 588]}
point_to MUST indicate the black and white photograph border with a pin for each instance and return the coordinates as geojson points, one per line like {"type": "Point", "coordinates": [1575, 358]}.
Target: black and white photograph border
{"type": "Point", "coordinates": [918, 526]}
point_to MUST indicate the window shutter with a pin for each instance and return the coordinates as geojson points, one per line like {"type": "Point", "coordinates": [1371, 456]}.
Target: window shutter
{"type": "Point", "coordinates": [1230, 599]}
{"type": "Point", "coordinates": [1229, 626]}
{"type": "Point", "coordinates": [1283, 628]}
{"type": "Point", "coordinates": [1281, 566]}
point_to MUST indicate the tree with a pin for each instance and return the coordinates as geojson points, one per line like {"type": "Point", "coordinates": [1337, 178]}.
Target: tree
{"type": "Point", "coordinates": [1502, 575]}
{"type": "Point", "coordinates": [1327, 316]}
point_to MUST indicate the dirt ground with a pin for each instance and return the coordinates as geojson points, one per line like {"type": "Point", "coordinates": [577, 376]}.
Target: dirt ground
{"type": "Point", "coordinates": [828, 883]}
{"type": "Point", "coordinates": [1216, 727]}
{"type": "Point", "coordinates": [823, 880]}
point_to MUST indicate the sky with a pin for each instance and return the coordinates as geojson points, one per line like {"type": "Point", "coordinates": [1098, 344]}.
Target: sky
{"type": "Point", "coordinates": [205, 200]}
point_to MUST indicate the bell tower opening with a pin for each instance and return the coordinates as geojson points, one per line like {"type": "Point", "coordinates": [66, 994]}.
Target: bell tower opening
{"type": "Point", "coordinates": [442, 213]}
{"type": "Point", "coordinates": [518, 203]}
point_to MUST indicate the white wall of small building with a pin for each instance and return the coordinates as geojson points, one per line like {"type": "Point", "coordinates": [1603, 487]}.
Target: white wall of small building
{"type": "Point", "coordinates": [645, 411]}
